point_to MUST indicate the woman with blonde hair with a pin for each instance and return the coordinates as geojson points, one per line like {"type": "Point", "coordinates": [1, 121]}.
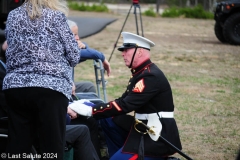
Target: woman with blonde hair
{"type": "Point", "coordinates": [41, 52]}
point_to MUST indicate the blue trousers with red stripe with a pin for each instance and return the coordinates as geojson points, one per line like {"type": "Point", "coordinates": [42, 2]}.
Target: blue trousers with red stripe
{"type": "Point", "coordinates": [115, 136]}
{"type": "Point", "coordinates": [119, 155]}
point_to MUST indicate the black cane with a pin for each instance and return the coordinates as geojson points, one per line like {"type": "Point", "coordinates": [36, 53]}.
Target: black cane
{"type": "Point", "coordinates": [165, 141]}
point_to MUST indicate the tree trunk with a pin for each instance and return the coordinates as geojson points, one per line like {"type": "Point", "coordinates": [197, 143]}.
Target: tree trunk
{"type": "Point", "coordinates": [205, 5]}
{"type": "Point", "coordinates": [188, 3]}
{"type": "Point", "coordinates": [157, 5]}
{"type": "Point", "coordinates": [210, 6]}
{"type": "Point", "coordinates": [196, 2]}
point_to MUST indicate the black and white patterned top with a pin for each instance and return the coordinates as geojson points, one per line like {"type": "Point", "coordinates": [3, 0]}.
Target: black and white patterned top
{"type": "Point", "coordinates": [41, 52]}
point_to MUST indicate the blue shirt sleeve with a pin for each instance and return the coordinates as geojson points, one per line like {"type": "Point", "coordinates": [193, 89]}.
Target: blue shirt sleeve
{"type": "Point", "coordinates": [68, 119]}
{"type": "Point", "coordinates": [90, 53]}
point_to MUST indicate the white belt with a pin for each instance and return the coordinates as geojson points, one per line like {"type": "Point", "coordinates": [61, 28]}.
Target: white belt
{"type": "Point", "coordinates": [161, 114]}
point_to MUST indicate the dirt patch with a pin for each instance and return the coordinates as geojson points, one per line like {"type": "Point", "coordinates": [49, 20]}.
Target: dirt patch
{"type": "Point", "coordinates": [203, 73]}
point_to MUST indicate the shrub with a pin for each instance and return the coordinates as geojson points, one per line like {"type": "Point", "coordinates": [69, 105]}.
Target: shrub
{"type": "Point", "coordinates": [196, 12]}
{"type": "Point", "coordinates": [150, 12]}
{"type": "Point", "coordinates": [83, 7]}
{"type": "Point", "coordinates": [100, 8]}
{"type": "Point", "coordinates": [171, 12]}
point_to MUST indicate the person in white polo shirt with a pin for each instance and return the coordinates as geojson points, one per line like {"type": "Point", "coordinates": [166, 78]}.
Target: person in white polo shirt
{"type": "Point", "coordinates": [149, 94]}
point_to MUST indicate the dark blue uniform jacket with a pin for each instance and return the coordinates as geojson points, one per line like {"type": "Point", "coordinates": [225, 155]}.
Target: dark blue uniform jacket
{"type": "Point", "coordinates": [148, 91]}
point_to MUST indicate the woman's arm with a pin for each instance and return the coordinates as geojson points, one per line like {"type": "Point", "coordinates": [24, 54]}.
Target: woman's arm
{"type": "Point", "coordinates": [73, 53]}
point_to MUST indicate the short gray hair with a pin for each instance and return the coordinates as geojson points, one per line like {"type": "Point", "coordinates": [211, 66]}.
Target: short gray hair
{"type": "Point", "coordinates": [71, 23]}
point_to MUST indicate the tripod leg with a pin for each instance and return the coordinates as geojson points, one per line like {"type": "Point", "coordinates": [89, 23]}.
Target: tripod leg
{"type": "Point", "coordinates": [115, 45]}
{"type": "Point", "coordinates": [141, 20]}
{"type": "Point", "coordinates": [135, 12]}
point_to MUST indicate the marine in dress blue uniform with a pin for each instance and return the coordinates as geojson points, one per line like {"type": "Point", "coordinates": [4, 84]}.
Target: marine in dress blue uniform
{"type": "Point", "coordinates": [149, 94]}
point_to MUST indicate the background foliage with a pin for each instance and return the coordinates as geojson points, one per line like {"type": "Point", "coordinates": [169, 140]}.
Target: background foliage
{"type": "Point", "coordinates": [207, 4]}
{"type": "Point", "coordinates": [84, 7]}
{"type": "Point", "coordinates": [195, 12]}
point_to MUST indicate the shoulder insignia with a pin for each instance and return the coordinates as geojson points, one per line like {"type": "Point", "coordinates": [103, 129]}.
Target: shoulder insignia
{"type": "Point", "coordinates": [116, 106]}
{"type": "Point", "coordinates": [139, 87]}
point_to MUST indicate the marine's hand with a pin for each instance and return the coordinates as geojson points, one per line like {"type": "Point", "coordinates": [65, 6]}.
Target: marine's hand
{"type": "Point", "coordinates": [106, 66]}
{"type": "Point", "coordinates": [81, 108]}
{"type": "Point", "coordinates": [71, 113]}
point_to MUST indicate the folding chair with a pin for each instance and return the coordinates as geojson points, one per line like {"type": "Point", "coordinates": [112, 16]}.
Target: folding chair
{"type": "Point", "coordinates": [96, 97]}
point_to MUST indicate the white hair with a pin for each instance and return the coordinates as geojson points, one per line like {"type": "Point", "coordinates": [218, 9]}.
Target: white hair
{"type": "Point", "coordinates": [71, 23]}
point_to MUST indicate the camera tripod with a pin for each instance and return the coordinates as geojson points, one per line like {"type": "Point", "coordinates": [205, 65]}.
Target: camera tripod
{"type": "Point", "coordinates": [136, 5]}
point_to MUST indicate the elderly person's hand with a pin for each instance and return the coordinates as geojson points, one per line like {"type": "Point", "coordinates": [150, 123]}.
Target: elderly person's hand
{"type": "Point", "coordinates": [71, 113]}
{"type": "Point", "coordinates": [106, 66]}
{"type": "Point", "coordinates": [73, 89]}
{"type": "Point", "coordinates": [4, 46]}
{"type": "Point", "coordinates": [81, 45]}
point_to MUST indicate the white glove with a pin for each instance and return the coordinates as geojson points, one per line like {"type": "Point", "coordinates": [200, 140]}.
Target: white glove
{"type": "Point", "coordinates": [81, 108]}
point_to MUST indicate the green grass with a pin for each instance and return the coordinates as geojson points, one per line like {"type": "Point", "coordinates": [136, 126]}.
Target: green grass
{"type": "Point", "coordinates": [232, 83]}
